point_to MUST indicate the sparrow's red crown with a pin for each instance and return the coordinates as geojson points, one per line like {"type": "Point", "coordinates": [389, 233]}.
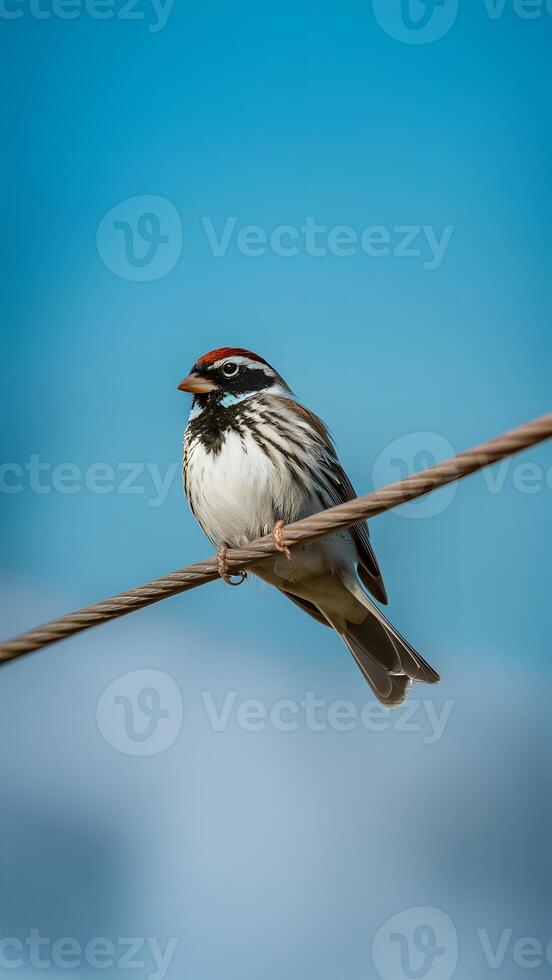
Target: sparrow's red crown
{"type": "Point", "coordinates": [220, 352]}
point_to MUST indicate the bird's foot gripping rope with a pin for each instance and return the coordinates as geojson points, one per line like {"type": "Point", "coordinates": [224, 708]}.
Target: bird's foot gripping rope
{"type": "Point", "coordinates": [224, 571]}
{"type": "Point", "coordinates": [278, 535]}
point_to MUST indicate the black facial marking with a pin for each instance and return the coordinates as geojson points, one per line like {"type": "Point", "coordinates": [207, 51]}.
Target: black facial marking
{"type": "Point", "coordinates": [245, 379]}
{"type": "Point", "coordinates": [234, 378]}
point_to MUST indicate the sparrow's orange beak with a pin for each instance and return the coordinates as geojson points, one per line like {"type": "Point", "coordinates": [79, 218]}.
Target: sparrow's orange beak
{"type": "Point", "coordinates": [198, 384]}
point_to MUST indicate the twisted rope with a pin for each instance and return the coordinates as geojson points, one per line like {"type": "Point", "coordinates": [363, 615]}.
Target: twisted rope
{"type": "Point", "coordinates": [304, 531]}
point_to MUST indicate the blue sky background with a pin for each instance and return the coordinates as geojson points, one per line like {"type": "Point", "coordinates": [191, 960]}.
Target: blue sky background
{"type": "Point", "coordinates": [275, 853]}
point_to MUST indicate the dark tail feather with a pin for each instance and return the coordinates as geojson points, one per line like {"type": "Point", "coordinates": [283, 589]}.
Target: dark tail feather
{"type": "Point", "coordinates": [386, 659]}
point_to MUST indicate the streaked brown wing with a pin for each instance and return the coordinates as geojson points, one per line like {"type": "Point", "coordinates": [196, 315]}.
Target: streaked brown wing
{"type": "Point", "coordinates": [342, 490]}
{"type": "Point", "coordinates": [369, 569]}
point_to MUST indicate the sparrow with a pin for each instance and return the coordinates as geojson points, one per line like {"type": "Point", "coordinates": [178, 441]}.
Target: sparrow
{"type": "Point", "coordinates": [254, 460]}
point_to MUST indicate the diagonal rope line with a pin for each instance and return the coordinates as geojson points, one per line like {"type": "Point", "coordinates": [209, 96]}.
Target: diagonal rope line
{"type": "Point", "coordinates": [302, 532]}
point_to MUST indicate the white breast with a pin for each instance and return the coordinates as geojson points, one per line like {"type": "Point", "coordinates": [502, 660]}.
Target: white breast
{"type": "Point", "coordinates": [239, 493]}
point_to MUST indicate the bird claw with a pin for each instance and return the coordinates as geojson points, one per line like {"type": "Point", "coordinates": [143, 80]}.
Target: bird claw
{"type": "Point", "coordinates": [278, 535]}
{"type": "Point", "coordinates": [223, 569]}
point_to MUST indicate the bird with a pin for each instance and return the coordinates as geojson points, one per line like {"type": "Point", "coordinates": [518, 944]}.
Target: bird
{"type": "Point", "coordinates": [256, 459]}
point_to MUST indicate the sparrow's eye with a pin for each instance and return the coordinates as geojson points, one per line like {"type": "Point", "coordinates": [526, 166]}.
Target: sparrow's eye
{"type": "Point", "coordinates": [230, 369]}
